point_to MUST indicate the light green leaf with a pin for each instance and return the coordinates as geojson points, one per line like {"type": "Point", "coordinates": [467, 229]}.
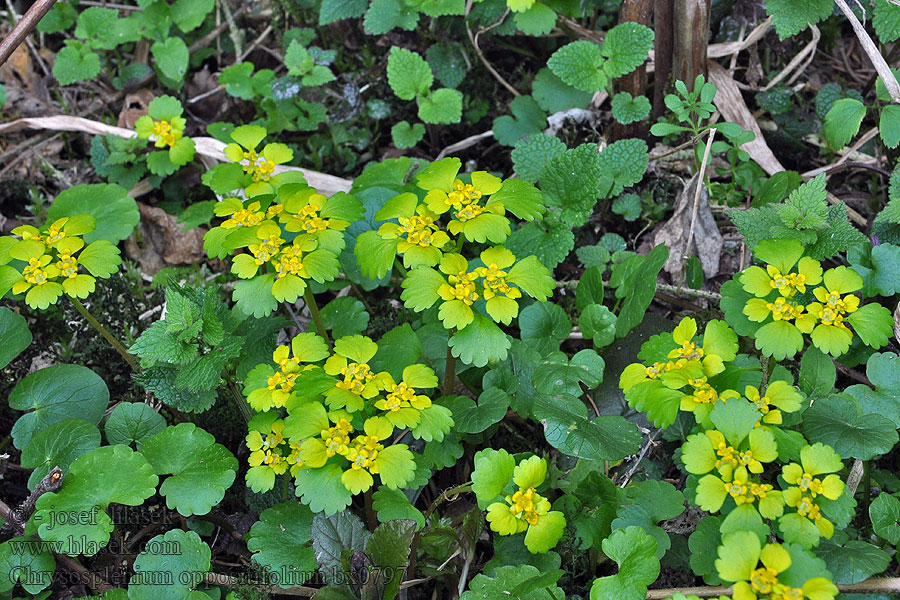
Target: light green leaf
{"type": "Point", "coordinates": [442, 106]}
{"type": "Point", "coordinates": [791, 17]}
{"type": "Point", "coordinates": [480, 342]}
{"type": "Point", "coordinates": [393, 504]}
{"type": "Point", "coordinates": [842, 122]}
{"type": "Point", "coordinates": [580, 64]}
{"type": "Point", "coordinates": [171, 59]}
{"type": "Point", "coordinates": [626, 47]}
{"type": "Point", "coordinates": [635, 553]}
{"type": "Point", "coordinates": [889, 124]}
{"type": "Point", "coordinates": [408, 74]}
{"type": "Point", "coordinates": [627, 109]}
{"type": "Point", "coordinates": [116, 213]}
{"type": "Point", "coordinates": [406, 135]}
{"type": "Point", "coordinates": [493, 472]}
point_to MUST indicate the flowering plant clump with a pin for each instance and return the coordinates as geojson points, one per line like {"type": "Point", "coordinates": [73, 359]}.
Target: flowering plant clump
{"type": "Point", "coordinates": [763, 572]}
{"type": "Point", "coordinates": [521, 508]}
{"type": "Point", "coordinates": [810, 494]}
{"type": "Point", "coordinates": [328, 417]}
{"type": "Point", "coordinates": [163, 126]}
{"type": "Point", "coordinates": [679, 373]}
{"type": "Point", "coordinates": [291, 237]}
{"type": "Point", "coordinates": [50, 261]}
{"type": "Point", "coordinates": [775, 302]}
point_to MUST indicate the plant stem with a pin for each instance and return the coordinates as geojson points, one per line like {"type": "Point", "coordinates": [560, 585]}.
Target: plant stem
{"type": "Point", "coordinates": [867, 489]}
{"type": "Point", "coordinates": [371, 519]}
{"type": "Point", "coordinates": [449, 372]}
{"type": "Point", "coordinates": [105, 333]}
{"type": "Point", "coordinates": [314, 311]}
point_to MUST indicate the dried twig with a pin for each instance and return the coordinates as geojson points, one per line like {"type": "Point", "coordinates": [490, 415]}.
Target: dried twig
{"type": "Point", "coordinates": [871, 50]}
{"type": "Point", "coordinates": [25, 26]}
{"type": "Point", "coordinates": [700, 185]}
{"type": "Point", "coordinates": [474, 39]}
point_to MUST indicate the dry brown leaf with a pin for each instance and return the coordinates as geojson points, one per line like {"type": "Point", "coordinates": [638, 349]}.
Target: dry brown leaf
{"type": "Point", "coordinates": [206, 146]}
{"type": "Point", "coordinates": [732, 106]}
{"type": "Point", "coordinates": [165, 242]}
{"type": "Point", "coordinates": [707, 242]}
{"type": "Point", "coordinates": [134, 107]}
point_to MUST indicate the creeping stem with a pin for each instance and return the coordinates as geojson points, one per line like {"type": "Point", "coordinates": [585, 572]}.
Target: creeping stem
{"type": "Point", "coordinates": [314, 311]}
{"type": "Point", "coordinates": [129, 358]}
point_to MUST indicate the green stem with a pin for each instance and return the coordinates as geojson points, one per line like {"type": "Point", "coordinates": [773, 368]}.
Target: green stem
{"type": "Point", "coordinates": [5, 442]}
{"type": "Point", "coordinates": [371, 519]}
{"type": "Point", "coordinates": [867, 488]}
{"type": "Point", "coordinates": [105, 333]}
{"type": "Point", "coordinates": [449, 372]}
{"type": "Point", "coordinates": [314, 311]}
{"type": "Point", "coordinates": [400, 268]}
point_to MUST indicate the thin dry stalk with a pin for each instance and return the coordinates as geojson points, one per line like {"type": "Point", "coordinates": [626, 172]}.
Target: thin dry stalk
{"type": "Point", "coordinates": [25, 26]}
{"type": "Point", "coordinates": [871, 50]}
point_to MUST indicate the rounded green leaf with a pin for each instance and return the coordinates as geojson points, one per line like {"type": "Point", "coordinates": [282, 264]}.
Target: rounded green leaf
{"type": "Point", "coordinates": [493, 472]}
{"type": "Point", "coordinates": [480, 342]}
{"type": "Point", "coordinates": [280, 542]}
{"type": "Point", "coordinates": [56, 393]}
{"type": "Point", "coordinates": [14, 335]}
{"type": "Point", "coordinates": [107, 474]}
{"type": "Point", "coordinates": [635, 552]}
{"type": "Point", "coordinates": [132, 422]}
{"type": "Point", "coordinates": [839, 422]}
{"type": "Point", "coordinates": [170, 566]}
{"type": "Point", "coordinates": [116, 212]}
{"type": "Point", "coordinates": [201, 470]}
{"type": "Point", "coordinates": [57, 446]}
{"type": "Point", "coordinates": [26, 560]}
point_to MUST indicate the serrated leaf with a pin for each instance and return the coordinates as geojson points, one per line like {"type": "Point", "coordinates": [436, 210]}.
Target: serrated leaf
{"type": "Point", "coordinates": [406, 135]}
{"type": "Point", "coordinates": [634, 551]}
{"type": "Point", "coordinates": [408, 74]}
{"type": "Point", "coordinates": [336, 10]}
{"type": "Point", "coordinates": [853, 561]}
{"type": "Point", "coordinates": [626, 47]}
{"type": "Point", "coordinates": [625, 162]}
{"type": "Point", "coordinates": [169, 576]}
{"type": "Point", "coordinates": [132, 422]}
{"type": "Point", "coordinates": [442, 106]}
{"type": "Point", "coordinates": [115, 211]}
{"type": "Point", "coordinates": [842, 122]}
{"type": "Point", "coordinates": [334, 535]}
{"type": "Point", "coordinates": [580, 64]}
{"type": "Point", "coordinates": [791, 17]}
{"type": "Point", "coordinates": [628, 109]}
{"type": "Point", "coordinates": [532, 153]}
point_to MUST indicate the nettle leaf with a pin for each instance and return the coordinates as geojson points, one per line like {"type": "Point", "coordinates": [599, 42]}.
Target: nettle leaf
{"type": "Point", "coordinates": [448, 62]}
{"type": "Point", "coordinates": [55, 394]}
{"type": "Point", "coordinates": [626, 47]}
{"type": "Point", "coordinates": [889, 125]}
{"type": "Point", "coordinates": [537, 20]}
{"type": "Point", "coordinates": [628, 109]}
{"type": "Point", "coordinates": [854, 561]}
{"type": "Point", "coordinates": [883, 370]}
{"type": "Point", "coordinates": [885, 514]}
{"type": "Point", "coordinates": [201, 470]}
{"type": "Point", "coordinates": [171, 565]}
{"type": "Point", "coordinates": [14, 335]}
{"type": "Point", "coordinates": [842, 121]}
{"type": "Point", "coordinates": [393, 504]}
{"type": "Point", "coordinates": [384, 15]}
{"type": "Point", "coordinates": [57, 446]}
{"type": "Point", "coordinates": [625, 162]}
{"type": "Point", "coordinates": [573, 180]}
{"type": "Point", "coordinates": [886, 21]}
{"type": "Point", "coordinates": [840, 422]}
{"type": "Point", "coordinates": [336, 10]}
{"type": "Point", "coordinates": [334, 535]}
{"type": "Point", "coordinates": [132, 422]}
{"type": "Point", "coordinates": [515, 581]}
{"type": "Point", "coordinates": [160, 381]}
{"type": "Point", "coordinates": [107, 474]}
{"type": "Point", "coordinates": [75, 62]}
{"type": "Point", "coordinates": [532, 153]}
{"type": "Point", "coordinates": [528, 119]}
{"type": "Point", "coordinates": [469, 417]}
{"type": "Point", "coordinates": [189, 14]}
{"type": "Point", "coordinates": [635, 553]}
{"type": "Point", "coordinates": [115, 211]}
{"type": "Point", "coordinates": [550, 244]}
{"type": "Point", "coordinates": [280, 542]}
{"type": "Point", "coordinates": [580, 64]}
{"type": "Point", "coordinates": [389, 547]}
{"type": "Point", "coordinates": [568, 429]}
{"type": "Point", "coordinates": [408, 74]}
{"type": "Point", "coordinates": [791, 17]}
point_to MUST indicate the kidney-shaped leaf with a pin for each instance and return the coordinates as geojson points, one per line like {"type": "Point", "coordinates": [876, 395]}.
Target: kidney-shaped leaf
{"type": "Point", "coordinates": [57, 393]}
{"type": "Point", "coordinates": [840, 422]}
{"type": "Point", "coordinates": [107, 474]}
{"type": "Point", "coordinates": [169, 566]}
{"type": "Point", "coordinates": [57, 446]}
{"type": "Point", "coordinates": [132, 422]}
{"type": "Point", "coordinates": [116, 212]}
{"type": "Point", "coordinates": [568, 429]}
{"type": "Point", "coordinates": [280, 543]}
{"type": "Point", "coordinates": [201, 469]}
